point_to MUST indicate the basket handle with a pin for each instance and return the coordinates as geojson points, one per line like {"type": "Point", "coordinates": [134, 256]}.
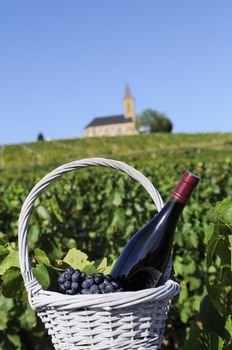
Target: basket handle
{"type": "Point", "coordinates": [30, 281]}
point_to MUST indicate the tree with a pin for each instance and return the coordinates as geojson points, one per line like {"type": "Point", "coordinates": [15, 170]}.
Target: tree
{"type": "Point", "coordinates": [156, 121]}
{"type": "Point", "coordinates": [40, 137]}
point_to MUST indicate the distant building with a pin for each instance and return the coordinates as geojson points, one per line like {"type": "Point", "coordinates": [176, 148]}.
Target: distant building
{"type": "Point", "coordinates": [144, 129]}
{"type": "Point", "coordinates": [116, 124]}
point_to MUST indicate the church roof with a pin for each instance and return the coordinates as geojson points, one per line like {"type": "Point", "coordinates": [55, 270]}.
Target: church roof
{"type": "Point", "coordinates": [115, 119]}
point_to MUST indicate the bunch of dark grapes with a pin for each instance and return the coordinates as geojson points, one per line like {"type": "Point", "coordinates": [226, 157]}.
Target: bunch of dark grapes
{"type": "Point", "coordinates": [76, 282]}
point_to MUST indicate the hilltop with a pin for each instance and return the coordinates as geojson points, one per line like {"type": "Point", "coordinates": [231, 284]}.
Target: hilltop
{"type": "Point", "coordinates": [135, 149]}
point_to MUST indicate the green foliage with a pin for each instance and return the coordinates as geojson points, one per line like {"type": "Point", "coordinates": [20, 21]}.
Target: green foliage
{"type": "Point", "coordinates": [86, 218]}
{"type": "Point", "coordinates": [213, 325]}
{"type": "Point", "coordinates": [156, 121]}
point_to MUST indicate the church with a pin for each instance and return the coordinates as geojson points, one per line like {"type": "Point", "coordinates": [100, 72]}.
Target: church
{"type": "Point", "coordinates": [124, 124]}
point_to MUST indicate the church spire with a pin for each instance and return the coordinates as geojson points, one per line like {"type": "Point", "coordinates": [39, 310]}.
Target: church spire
{"type": "Point", "coordinates": [127, 92]}
{"type": "Point", "coordinates": [129, 104]}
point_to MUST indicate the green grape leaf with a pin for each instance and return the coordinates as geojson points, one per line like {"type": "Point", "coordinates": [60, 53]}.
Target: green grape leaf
{"type": "Point", "coordinates": [185, 311]}
{"type": "Point", "coordinates": [194, 340]}
{"type": "Point", "coordinates": [4, 318]}
{"type": "Point", "coordinates": [90, 269]}
{"type": "Point", "coordinates": [193, 239]}
{"type": "Point", "coordinates": [28, 319]}
{"type": "Point", "coordinates": [109, 268]}
{"type": "Point", "coordinates": [43, 213]}
{"type": "Point", "coordinates": [34, 235]}
{"type": "Point", "coordinates": [6, 304]}
{"type": "Point", "coordinates": [3, 251]}
{"type": "Point", "coordinates": [12, 283]}
{"type": "Point", "coordinates": [210, 317]}
{"type": "Point", "coordinates": [208, 233]}
{"type": "Point", "coordinates": [222, 229]}
{"type": "Point", "coordinates": [102, 265]}
{"type": "Point", "coordinates": [11, 246]}
{"type": "Point", "coordinates": [218, 246]}
{"type": "Point", "coordinates": [139, 208]}
{"type": "Point", "coordinates": [76, 259]}
{"type": "Point", "coordinates": [178, 265]}
{"type": "Point", "coordinates": [194, 283]}
{"type": "Point", "coordinates": [79, 203]}
{"type": "Point", "coordinates": [117, 201]}
{"type": "Point", "coordinates": [41, 257]}
{"type": "Point", "coordinates": [223, 211]}
{"type": "Point", "coordinates": [42, 275]}
{"type": "Point", "coordinates": [211, 246]}
{"type": "Point", "coordinates": [190, 268]}
{"type": "Point", "coordinates": [56, 211]}
{"type": "Point", "coordinates": [196, 302]}
{"type": "Point", "coordinates": [228, 328]}
{"type": "Point", "coordinates": [12, 259]}
{"type": "Point", "coordinates": [118, 218]}
{"type": "Point", "coordinates": [15, 340]}
{"type": "Point", "coordinates": [183, 292]}
{"type": "Point", "coordinates": [71, 243]}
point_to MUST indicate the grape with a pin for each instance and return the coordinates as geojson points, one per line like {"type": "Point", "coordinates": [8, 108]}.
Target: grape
{"type": "Point", "coordinates": [115, 284]}
{"type": "Point", "coordinates": [98, 279]}
{"type": "Point", "coordinates": [90, 279]}
{"type": "Point", "coordinates": [76, 276]}
{"type": "Point", "coordinates": [76, 282]}
{"type": "Point", "coordinates": [100, 274]}
{"type": "Point", "coordinates": [67, 284]}
{"type": "Point", "coordinates": [85, 291]}
{"type": "Point", "coordinates": [83, 275]}
{"type": "Point", "coordinates": [61, 279]}
{"type": "Point", "coordinates": [94, 289]}
{"type": "Point", "coordinates": [106, 282]}
{"type": "Point", "coordinates": [75, 286]}
{"type": "Point", "coordinates": [62, 288]}
{"type": "Point", "coordinates": [67, 275]}
{"type": "Point", "coordinates": [69, 269]}
{"type": "Point", "coordinates": [87, 283]}
{"type": "Point", "coordinates": [70, 292]}
{"type": "Point", "coordinates": [102, 287]}
{"type": "Point", "coordinates": [107, 278]}
{"type": "Point", "coordinates": [109, 288]}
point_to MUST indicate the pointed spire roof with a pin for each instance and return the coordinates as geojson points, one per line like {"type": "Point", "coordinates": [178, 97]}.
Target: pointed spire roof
{"type": "Point", "coordinates": [127, 92]}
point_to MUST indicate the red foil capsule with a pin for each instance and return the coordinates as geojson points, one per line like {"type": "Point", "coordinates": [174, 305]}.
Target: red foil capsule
{"type": "Point", "coordinates": [185, 187]}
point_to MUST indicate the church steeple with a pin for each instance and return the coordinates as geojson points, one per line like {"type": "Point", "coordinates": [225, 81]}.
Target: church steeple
{"type": "Point", "coordinates": [127, 92]}
{"type": "Point", "coordinates": [129, 104]}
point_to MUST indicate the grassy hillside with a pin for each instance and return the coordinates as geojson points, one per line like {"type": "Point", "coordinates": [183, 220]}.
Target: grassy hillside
{"type": "Point", "coordinates": [138, 149]}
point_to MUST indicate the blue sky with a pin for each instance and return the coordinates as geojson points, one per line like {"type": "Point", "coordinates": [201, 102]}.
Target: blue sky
{"type": "Point", "coordinates": [64, 62]}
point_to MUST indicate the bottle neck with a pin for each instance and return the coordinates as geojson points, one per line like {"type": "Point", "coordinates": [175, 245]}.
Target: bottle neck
{"type": "Point", "coordinates": [175, 207]}
{"type": "Point", "coordinates": [170, 215]}
{"type": "Point", "coordinates": [185, 187]}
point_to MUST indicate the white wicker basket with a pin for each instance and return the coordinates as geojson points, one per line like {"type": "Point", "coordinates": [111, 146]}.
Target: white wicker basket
{"type": "Point", "coordinates": [124, 320]}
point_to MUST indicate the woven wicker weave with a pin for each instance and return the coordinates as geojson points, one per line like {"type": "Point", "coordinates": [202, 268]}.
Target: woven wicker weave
{"type": "Point", "coordinates": [124, 320]}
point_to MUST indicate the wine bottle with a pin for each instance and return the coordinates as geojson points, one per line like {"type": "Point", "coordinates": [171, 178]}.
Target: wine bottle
{"type": "Point", "coordinates": [145, 257]}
